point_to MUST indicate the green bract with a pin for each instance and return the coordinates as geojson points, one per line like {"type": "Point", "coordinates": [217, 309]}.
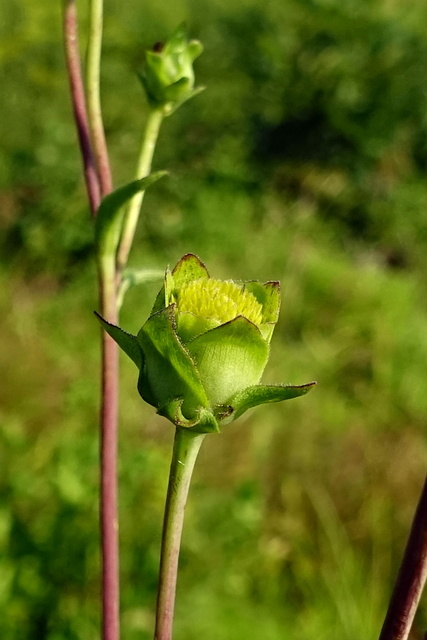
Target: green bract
{"type": "Point", "coordinates": [202, 351]}
{"type": "Point", "coordinates": [168, 77]}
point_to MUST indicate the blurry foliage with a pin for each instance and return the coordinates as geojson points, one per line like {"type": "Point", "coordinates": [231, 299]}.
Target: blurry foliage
{"type": "Point", "coordinates": [304, 161]}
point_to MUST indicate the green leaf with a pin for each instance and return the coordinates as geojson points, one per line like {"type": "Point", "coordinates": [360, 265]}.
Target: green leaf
{"type": "Point", "coordinates": [126, 341]}
{"type": "Point", "coordinates": [261, 394]}
{"type": "Point", "coordinates": [203, 422]}
{"type": "Point", "coordinates": [169, 370]}
{"type": "Point", "coordinates": [109, 218]}
{"type": "Point", "coordinates": [229, 358]}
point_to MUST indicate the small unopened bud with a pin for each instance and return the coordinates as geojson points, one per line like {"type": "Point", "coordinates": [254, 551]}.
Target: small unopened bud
{"type": "Point", "coordinates": [168, 78]}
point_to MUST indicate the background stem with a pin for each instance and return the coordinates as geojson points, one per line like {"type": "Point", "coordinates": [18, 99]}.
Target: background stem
{"type": "Point", "coordinates": [185, 450]}
{"type": "Point", "coordinates": [93, 63]}
{"type": "Point", "coordinates": [72, 57]}
{"type": "Point", "coordinates": [411, 578]}
{"type": "Point", "coordinates": [148, 145]}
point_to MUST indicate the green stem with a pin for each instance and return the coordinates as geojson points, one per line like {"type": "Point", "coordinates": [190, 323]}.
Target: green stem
{"type": "Point", "coordinates": [148, 145]}
{"type": "Point", "coordinates": [93, 63]}
{"type": "Point", "coordinates": [185, 450]}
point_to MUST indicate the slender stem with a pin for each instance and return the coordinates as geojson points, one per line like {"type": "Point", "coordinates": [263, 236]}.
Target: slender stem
{"type": "Point", "coordinates": [411, 578]}
{"type": "Point", "coordinates": [148, 145]}
{"type": "Point", "coordinates": [185, 450]}
{"type": "Point", "coordinates": [110, 363]}
{"type": "Point", "coordinates": [108, 456]}
{"type": "Point", "coordinates": [72, 56]}
{"type": "Point", "coordinates": [93, 63]}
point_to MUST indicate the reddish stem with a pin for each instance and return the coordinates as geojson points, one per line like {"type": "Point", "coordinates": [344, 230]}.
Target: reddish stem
{"type": "Point", "coordinates": [72, 57]}
{"type": "Point", "coordinates": [108, 457]}
{"type": "Point", "coordinates": [108, 304]}
{"type": "Point", "coordinates": [411, 578]}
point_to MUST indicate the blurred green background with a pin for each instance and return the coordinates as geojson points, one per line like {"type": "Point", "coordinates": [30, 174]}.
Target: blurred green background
{"type": "Point", "coordinates": [305, 160]}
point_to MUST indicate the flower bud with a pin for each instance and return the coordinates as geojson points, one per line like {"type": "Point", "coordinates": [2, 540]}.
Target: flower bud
{"type": "Point", "coordinates": [203, 350]}
{"type": "Point", "coordinates": [168, 77]}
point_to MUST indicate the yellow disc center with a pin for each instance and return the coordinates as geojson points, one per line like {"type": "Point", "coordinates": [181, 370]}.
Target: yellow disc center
{"type": "Point", "coordinates": [221, 300]}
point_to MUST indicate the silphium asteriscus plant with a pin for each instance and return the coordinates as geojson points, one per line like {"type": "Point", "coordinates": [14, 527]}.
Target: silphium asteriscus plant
{"type": "Point", "coordinates": [204, 348]}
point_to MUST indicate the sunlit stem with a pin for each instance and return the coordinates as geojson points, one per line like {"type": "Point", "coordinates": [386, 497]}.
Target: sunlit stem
{"type": "Point", "coordinates": [148, 146]}
{"type": "Point", "coordinates": [186, 447]}
{"type": "Point", "coordinates": [93, 62]}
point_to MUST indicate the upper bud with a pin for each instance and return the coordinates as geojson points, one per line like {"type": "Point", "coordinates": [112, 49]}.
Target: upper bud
{"type": "Point", "coordinates": [168, 77]}
{"type": "Point", "coordinates": [203, 350]}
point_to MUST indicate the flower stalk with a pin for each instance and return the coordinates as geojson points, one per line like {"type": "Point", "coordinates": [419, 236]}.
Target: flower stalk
{"type": "Point", "coordinates": [143, 168]}
{"type": "Point", "coordinates": [186, 448]}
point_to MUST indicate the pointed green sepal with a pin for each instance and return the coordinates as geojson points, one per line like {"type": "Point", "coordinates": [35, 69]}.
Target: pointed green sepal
{"type": "Point", "coordinates": [229, 358]}
{"type": "Point", "coordinates": [126, 341]}
{"type": "Point", "coordinates": [261, 394]}
{"type": "Point", "coordinates": [109, 217]}
{"type": "Point", "coordinates": [202, 422]}
{"type": "Point", "coordinates": [268, 295]}
{"type": "Point", "coordinates": [189, 268]}
{"type": "Point", "coordinates": [169, 370]}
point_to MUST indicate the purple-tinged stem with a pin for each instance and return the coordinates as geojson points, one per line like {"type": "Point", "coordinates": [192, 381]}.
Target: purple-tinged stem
{"type": "Point", "coordinates": [411, 578]}
{"type": "Point", "coordinates": [108, 305]}
{"type": "Point", "coordinates": [72, 56]}
{"type": "Point", "coordinates": [108, 457]}
{"type": "Point", "coordinates": [185, 450]}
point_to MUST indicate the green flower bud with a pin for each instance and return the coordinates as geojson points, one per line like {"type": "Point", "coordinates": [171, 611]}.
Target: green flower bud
{"type": "Point", "coordinates": [203, 350]}
{"type": "Point", "coordinates": [168, 77]}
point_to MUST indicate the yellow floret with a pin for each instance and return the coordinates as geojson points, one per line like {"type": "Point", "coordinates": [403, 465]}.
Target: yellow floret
{"type": "Point", "coordinates": [221, 300]}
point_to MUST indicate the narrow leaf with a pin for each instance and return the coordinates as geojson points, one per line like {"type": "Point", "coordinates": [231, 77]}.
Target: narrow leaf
{"type": "Point", "coordinates": [126, 341]}
{"type": "Point", "coordinates": [109, 218]}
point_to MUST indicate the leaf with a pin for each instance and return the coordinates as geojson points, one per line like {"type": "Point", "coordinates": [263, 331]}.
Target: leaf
{"type": "Point", "coordinates": [169, 370]}
{"type": "Point", "coordinates": [261, 394]}
{"type": "Point", "coordinates": [126, 341]}
{"type": "Point", "coordinates": [229, 358]}
{"type": "Point", "coordinates": [109, 218]}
